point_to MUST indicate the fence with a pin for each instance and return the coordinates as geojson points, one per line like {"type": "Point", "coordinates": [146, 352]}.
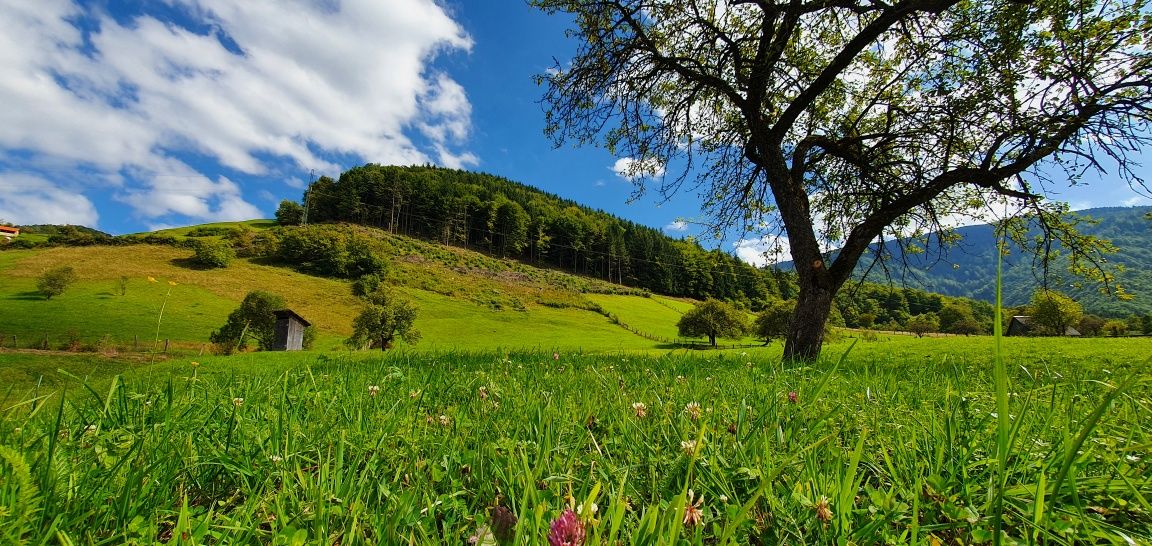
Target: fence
{"type": "Point", "coordinates": [106, 344]}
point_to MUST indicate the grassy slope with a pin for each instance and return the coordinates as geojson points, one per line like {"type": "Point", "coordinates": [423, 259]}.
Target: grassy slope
{"type": "Point", "coordinates": [461, 305]}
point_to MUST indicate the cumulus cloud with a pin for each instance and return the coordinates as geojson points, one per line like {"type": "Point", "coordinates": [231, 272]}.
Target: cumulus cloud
{"type": "Point", "coordinates": [677, 226]}
{"type": "Point", "coordinates": [632, 169]}
{"type": "Point", "coordinates": [26, 199]}
{"type": "Point", "coordinates": [260, 87]}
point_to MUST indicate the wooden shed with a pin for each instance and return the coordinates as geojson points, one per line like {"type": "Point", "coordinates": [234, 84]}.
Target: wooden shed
{"type": "Point", "coordinates": [289, 331]}
{"type": "Point", "coordinates": [1022, 326]}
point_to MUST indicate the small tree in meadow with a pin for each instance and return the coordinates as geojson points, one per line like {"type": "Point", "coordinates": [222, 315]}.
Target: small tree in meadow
{"type": "Point", "coordinates": [55, 281]}
{"type": "Point", "coordinates": [773, 321]}
{"type": "Point", "coordinates": [923, 324]}
{"type": "Point", "coordinates": [254, 319]}
{"type": "Point", "coordinates": [713, 319]}
{"type": "Point", "coordinates": [387, 316]}
{"type": "Point", "coordinates": [1116, 328]}
{"type": "Point", "coordinates": [1054, 312]}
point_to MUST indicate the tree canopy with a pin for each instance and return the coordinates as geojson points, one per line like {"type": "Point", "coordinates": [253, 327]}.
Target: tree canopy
{"type": "Point", "coordinates": [837, 123]}
{"type": "Point", "coordinates": [1054, 312]}
{"type": "Point", "coordinates": [713, 319]}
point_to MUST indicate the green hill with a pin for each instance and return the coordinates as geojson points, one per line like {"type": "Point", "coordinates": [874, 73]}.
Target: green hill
{"type": "Point", "coordinates": [130, 295]}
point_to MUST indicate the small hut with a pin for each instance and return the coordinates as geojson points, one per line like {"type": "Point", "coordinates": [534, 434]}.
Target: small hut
{"type": "Point", "coordinates": [1022, 326]}
{"type": "Point", "coordinates": [289, 331]}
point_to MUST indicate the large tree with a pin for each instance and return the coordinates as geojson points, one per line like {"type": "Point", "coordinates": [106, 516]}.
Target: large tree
{"type": "Point", "coordinates": [841, 122]}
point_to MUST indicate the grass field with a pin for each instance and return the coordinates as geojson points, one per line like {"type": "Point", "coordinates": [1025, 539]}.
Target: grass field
{"type": "Point", "coordinates": [895, 444]}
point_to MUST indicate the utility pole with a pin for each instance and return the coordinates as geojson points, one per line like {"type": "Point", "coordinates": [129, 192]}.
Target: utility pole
{"type": "Point", "coordinates": [307, 194]}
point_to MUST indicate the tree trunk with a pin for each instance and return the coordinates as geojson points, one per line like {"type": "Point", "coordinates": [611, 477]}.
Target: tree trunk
{"type": "Point", "coordinates": [806, 333]}
{"type": "Point", "coordinates": [712, 339]}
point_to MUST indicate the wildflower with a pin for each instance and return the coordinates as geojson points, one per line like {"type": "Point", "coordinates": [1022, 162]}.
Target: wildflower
{"type": "Point", "coordinates": [640, 408]}
{"type": "Point", "coordinates": [692, 512]}
{"type": "Point", "coordinates": [429, 419]}
{"type": "Point", "coordinates": [414, 394]}
{"type": "Point", "coordinates": [566, 530]}
{"type": "Point", "coordinates": [679, 379]}
{"type": "Point", "coordinates": [171, 283]}
{"type": "Point", "coordinates": [237, 402]}
{"type": "Point", "coordinates": [195, 364]}
{"type": "Point", "coordinates": [693, 410]}
{"type": "Point", "coordinates": [688, 447]}
{"type": "Point", "coordinates": [373, 390]}
{"type": "Point", "coordinates": [793, 398]}
{"type": "Point", "coordinates": [503, 525]}
{"type": "Point", "coordinates": [151, 279]}
{"type": "Point", "coordinates": [276, 458]}
{"type": "Point", "coordinates": [555, 356]}
{"type": "Point", "coordinates": [589, 511]}
{"type": "Point", "coordinates": [483, 536]}
{"type": "Point", "coordinates": [723, 499]}
{"type": "Point", "coordinates": [483, 392]}
{"type": "Point", "coordinates": [823, 510]}
{"type": "Point", "coordinates": [445, 421]}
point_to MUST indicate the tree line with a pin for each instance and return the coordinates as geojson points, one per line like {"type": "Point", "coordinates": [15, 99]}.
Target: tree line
{"type": "Point", "coordinates": [492, 214]}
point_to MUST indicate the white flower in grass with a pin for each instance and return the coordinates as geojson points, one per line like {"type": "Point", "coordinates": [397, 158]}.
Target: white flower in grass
{"type": "Point", "coordinates": [692, 513]}
{"type": "Point", "coordinates": [373, 390]}
{"type": "Point", "coordinates": [693, 410]}
{"type": "Point", "coordinates": [237, 401]}
{"type": "Point", "coordinates": [688, 447]}
{"type": "Point", "coordinates": [640, 408]}
{"type": "Point", "coordinates": [445, 421]}
{"type": "Point", "coordinates": [276, 458]}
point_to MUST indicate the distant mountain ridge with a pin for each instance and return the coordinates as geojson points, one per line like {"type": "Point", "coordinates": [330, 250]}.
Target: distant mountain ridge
{"type": "Point", "coordinates": [968, 269]}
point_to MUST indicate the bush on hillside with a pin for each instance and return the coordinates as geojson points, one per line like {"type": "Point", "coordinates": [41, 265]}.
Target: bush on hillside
{"type": "Point", "coordinates": [55, 281]}
{"type": "Point", "coordinates": [213, 253]}
{"type": "Point", "coordinates": [331, 250]}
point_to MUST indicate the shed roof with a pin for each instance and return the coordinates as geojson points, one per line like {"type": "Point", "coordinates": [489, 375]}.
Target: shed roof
{"type": "Point", "coordinates": [288, 313]}
{"type": "Point", "coordinates": [10, 229]}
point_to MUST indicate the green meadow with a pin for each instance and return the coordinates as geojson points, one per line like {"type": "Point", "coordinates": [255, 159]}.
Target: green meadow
{"type": "Point", "coordinates": [531, 398]}
{"type": "Point", "coordinates": [896, 439]}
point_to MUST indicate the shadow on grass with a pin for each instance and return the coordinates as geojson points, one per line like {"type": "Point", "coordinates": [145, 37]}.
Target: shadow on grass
{"type": "Point", "coordinates": [189, 263]}
{"type": "Point", "coordinates": [28, 296]}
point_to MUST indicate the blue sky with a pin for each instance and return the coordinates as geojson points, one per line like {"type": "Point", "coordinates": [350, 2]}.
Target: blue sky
{"type": "Point", "coordinates": [132, 115]}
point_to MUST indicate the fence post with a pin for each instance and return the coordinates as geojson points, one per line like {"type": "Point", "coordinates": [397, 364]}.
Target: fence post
{"type": "Point", "coordinates": [165, 346]}
{"type": "Point", "coordinates": [136, 342]}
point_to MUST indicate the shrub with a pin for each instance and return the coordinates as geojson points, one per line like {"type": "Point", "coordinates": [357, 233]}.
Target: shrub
{"type": "Point", "coordinates": [209, 253]}
{"type": "Point", "coordinates": [55, 281]}
{"type": "Point", "coordinates": [290, 213]}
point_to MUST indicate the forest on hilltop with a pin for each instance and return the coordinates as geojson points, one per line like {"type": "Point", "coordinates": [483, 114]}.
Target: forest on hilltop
{"type": "Point", "coordinates": [505, 218]}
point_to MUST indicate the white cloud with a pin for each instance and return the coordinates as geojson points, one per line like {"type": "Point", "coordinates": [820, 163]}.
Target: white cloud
{"type": "Point", "coordinates": [677, 225]}
{"type": "Point", "coordinates": [26, 199]}
{"type": "Point", "coordinates": [312, 78]}
{"type": "Point", "coordinates": [763, 251]}
{"type": "Point", "coordinates": [633, 169]}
